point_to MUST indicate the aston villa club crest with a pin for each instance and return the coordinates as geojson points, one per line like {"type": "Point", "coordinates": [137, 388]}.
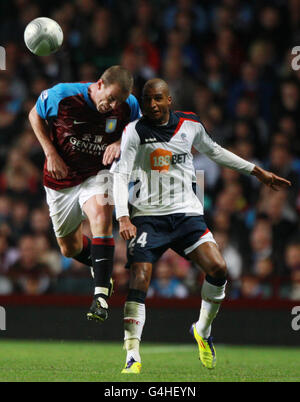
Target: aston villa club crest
{"type": "Point", "coordinates": [111, 125]}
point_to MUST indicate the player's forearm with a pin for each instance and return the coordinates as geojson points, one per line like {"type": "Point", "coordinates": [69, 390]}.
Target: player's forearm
{"type": "Point", "coordinates": [41, 131]}
{"type": "Point", "coordinates": [228, 159]}
{"type": "Point", "coordinates": [120, 192]}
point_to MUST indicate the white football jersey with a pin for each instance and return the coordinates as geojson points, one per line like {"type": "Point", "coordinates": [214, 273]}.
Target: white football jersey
{"type": "Point", "coordinates": [159, 160]}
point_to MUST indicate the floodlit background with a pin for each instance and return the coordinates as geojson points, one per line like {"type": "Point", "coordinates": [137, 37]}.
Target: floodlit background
{"type": "Point", "coordinates": [230, 62]}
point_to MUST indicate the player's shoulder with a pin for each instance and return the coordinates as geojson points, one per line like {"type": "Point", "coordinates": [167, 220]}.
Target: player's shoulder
{"type": "Point", "coordinates": [189, 116]}
{"type": "Point", "coordinates": [50, 99]}
{"type": "Point", "coordinates": [135, 111]}
{"type": "Point", "coordinates": [132, 100]}
{"type": "Point", "coordinates": [142, 125]}
{"type": "Point", "coordinates": [66, 89]}
{"type": "Point", "coordinates": [130, 133]}
{"type": "Point", "coordinates": [145, 130]}
{"type": "Point", "coordinates": [131, 127]}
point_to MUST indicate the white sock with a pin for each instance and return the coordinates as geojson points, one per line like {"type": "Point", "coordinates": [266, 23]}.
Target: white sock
{"type": "Point", "coordinates": [99, 289]}
{"type": "Point", "coordinates": [134, 320]}
{"type": "Point", "coordinates": [212, 297]}
{"type": "Point", "coordinates": [133, 349]}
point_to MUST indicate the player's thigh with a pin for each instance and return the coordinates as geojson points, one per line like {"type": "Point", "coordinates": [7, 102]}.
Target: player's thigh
{"type": "Point", "coordinates": [65, 211]}
{"type": "Point", "coordinates": [151, 241]}
{"type": "Point", "coordinates": [207, 255]}
{"type": "Point", "coordinates": [189, 233]}
{"type": "Point", "coordinates": [96, 201]}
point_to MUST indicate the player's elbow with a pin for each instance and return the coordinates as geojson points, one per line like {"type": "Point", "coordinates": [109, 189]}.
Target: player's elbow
{"type": "Point", "coordinates": [32, 114]}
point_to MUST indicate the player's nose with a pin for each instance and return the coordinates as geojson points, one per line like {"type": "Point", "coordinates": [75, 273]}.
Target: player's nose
{"type": "Point", "coordinates": [153, 105]}
{"type": "Point", "coordinates": [113, 104]}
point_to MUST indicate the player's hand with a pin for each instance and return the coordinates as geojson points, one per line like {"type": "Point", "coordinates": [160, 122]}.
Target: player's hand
{"type": "Point", "coordinates": [56, 167]}
{"type": "Point", "coordinates": [127, 229]}
{"type": "Point", "coordinates": [270, 179]}
{"type": "Point", "coordinates": [111, 153]}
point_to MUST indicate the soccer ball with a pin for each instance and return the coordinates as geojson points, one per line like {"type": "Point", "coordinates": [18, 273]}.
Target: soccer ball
{"type": "Point", "coordinates": [43, 36]}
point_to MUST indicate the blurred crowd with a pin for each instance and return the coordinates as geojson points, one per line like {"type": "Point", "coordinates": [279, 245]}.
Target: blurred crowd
{"type": "Point", "coordinates": [230, 61]}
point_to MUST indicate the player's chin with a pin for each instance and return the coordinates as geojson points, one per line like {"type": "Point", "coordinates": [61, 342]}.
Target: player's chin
{"type": "Point", "coordinates": [102, 109]}
{"type": "Point", "coordinates": [156, 116]}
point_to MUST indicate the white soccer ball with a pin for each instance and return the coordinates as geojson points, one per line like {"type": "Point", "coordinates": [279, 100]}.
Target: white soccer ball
{"type": "Point", "coordinates": [43, 36]}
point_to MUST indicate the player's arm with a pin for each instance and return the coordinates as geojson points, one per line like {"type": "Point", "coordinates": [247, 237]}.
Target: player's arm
{"type": "Point", "coordinates": [270, 179]}
{"type": "Point", "coordinates": [120, 189]}
{"type": "Point", "coordinates": [203, 143]}
{"type": "Point", "coordinates": [122, 170]}
{"type": "Point", "coordinates": [44, 108]}
{"type": "Point", "coordinates": [112, 152]}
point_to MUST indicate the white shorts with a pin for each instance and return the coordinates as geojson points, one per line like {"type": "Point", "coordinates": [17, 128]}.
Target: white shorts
{"type": "Point", "coordinates": [65, 206]}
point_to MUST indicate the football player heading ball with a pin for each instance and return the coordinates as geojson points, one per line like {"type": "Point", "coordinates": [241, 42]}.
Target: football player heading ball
{"type": "Point", "coordinates": [79, 126]}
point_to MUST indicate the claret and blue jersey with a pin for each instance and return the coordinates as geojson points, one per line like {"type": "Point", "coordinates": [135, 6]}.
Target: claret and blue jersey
{"type": "Point", "coordinates": [79, 132]}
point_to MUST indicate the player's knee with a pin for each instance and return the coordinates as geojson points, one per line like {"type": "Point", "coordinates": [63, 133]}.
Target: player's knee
{"type": "Point", "coordinates": [68, 251]}
{"type": "Point", "coordinates": [218, 270]}
{"type": "Point", "coordinates": [101, 223]}
{"type": "Point", "coordinates": [141, 276]}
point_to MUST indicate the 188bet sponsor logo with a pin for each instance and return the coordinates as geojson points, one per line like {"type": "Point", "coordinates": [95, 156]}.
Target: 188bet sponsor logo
{"type": "Point", "coordinates": [161, 159]}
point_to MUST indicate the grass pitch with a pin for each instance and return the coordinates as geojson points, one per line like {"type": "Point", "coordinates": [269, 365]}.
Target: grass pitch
{"type": "Point", "coordinates": [27, 361]}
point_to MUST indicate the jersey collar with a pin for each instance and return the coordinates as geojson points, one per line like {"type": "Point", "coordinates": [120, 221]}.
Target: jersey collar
{"type": "Point", "coordinates": [172, 123]}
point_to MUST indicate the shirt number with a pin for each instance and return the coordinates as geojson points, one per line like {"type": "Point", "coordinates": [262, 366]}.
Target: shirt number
{"type": "Point", "coordinates": [142, 240]}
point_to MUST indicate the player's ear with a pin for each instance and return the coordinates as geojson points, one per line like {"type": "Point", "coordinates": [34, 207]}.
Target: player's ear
{"type": "Point", "coordinates": [169, 100]}
{"type": "Point", "coordinates": [100, 83]}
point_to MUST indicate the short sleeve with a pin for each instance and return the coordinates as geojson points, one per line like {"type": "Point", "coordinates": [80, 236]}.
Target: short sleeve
{"type": "Point", "coordinates": [135, 111]}
{"type": "Point", "coordinates": [47, 103]}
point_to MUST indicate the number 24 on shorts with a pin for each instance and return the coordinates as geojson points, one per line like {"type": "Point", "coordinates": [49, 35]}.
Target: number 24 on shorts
{"type": "Point", "coordinates": [142, 240]}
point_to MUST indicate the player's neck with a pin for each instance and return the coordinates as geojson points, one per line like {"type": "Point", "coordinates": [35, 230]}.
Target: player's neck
{"type": "Point", "coordinates": [164, 121]}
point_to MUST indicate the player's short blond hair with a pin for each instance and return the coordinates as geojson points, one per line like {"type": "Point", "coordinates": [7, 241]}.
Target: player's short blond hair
{"type": "Point", "coordinates": [118, 75]}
